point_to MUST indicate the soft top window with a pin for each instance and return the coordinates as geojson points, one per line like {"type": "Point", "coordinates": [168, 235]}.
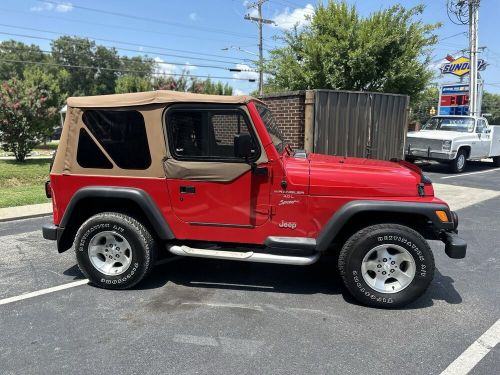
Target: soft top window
{"type": "Point", "coordinates": [207, 133]}
{"type": "Point", "coordinates": [122, 133]}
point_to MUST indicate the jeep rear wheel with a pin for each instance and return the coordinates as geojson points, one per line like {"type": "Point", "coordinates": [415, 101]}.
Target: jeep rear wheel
{"type": "Point", "coordinates": [114, 251]}
{"type": "Point", "coordinates": [386, 265]}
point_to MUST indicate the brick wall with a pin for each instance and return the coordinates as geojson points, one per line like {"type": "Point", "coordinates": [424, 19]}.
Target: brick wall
{"type": "Point", "coordinates": [288, 112]}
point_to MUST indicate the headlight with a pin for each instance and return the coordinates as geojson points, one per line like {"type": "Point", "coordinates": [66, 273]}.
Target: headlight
{"type": "Point", "coordinates": [446, 145]}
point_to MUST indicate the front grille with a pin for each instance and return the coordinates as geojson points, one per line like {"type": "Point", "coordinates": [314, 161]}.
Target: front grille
{"type": "Point", "coordinates": [423, 144]}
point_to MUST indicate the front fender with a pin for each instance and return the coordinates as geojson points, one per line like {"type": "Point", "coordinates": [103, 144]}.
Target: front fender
{"type": "Point", "coordinates": [346, 212]}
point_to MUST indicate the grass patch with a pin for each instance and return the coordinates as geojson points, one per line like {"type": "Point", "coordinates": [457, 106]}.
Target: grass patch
{"type": "Point", "coordinates": [52, 146]}
{"type": "Point", "coordinates": [23, 183]}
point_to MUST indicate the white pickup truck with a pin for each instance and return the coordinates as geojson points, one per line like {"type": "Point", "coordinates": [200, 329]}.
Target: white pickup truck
{"type": "Point", "coordinates": [454, 140]}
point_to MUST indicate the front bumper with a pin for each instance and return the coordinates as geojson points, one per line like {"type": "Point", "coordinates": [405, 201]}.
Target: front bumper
{"type": "Point", "coordinates": [455, 247]}
{"type": "Point", "coordinates": [419, 153]}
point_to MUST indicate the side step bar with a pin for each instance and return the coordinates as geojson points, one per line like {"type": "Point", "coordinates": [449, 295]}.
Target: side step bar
{"type": "Point", "coordinates": [248, 256]}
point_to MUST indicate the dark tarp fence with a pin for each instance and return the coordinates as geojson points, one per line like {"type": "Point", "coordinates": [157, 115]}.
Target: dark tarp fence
{"type": "Point", "coordinates": [360, 124]}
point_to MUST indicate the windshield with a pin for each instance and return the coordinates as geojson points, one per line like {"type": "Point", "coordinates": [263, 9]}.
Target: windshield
{"type": "Point", "coordinates": [273, 130]}
{"type": "Point", "coordinates": [456, 124]}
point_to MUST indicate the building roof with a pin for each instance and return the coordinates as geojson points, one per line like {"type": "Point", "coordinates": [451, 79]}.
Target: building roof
{"type": "Point", "coordinates": [152, 97]}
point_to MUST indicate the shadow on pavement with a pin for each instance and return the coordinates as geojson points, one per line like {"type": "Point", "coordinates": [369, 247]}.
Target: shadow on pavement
{"type": "Point", "coordinates": [321, 277]}
{"type": "Point", "coordinates": [472, 166]}
{"type": "Point", "coordinates": [441, 289]}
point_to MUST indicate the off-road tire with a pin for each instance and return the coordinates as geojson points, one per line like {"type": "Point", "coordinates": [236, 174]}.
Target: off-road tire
{"type": "Point", "coordinates": [143, 249]}
{"type": "Point", "coordinates": [455, 164]}
{"type": "Point", "coordinates": [496, 161]}
{"type": "Point", "coordinates": [361, 243]}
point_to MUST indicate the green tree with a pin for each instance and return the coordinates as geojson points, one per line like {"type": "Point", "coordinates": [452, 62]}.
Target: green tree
{"type": "Point", "coordinates": [385, 52]}
{"type": "Point", "coordinates": [26, 117]}
{"type": "Point", "coordinates": [132, 83]}
{"type": "Point", "coordinates": [12, 52]}
{"type": "Point", "coordinates": [422, 104]}
{"type": "Point", "coordinates": [142, 66]}
{"type": "Point", "coordinates": [491, 105]}
{"type": "Point", "coordinates": [208, 86]}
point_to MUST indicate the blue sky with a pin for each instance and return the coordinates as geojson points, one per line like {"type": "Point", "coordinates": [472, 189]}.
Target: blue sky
{"type": "Point", "coordinates": [208, 37]}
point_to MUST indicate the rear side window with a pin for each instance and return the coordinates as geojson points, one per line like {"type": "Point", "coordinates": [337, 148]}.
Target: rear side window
{"type": "Point", "coordinates": [89, 155]}
{"type": "Point", "coordinates": [122, 134]}
{"type": "Point", "coordinates": [207, 134]}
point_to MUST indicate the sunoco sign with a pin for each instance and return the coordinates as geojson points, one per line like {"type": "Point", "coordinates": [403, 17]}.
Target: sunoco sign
{"type": "Point", "coordinates": [460, 66]}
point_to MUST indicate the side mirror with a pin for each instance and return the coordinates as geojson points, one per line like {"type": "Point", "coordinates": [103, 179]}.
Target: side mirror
{"type": "Point", "coordinates": [243, 146]}
{"type": "Point", "coordinates": [487, 130]}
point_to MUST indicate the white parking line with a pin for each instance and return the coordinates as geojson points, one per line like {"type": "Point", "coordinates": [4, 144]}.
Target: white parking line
{"type": "Point", "coordinates": [474, 353]}
{"type": "Point", "coordinates": [42, 292]}
{"type": "Point", "coordinates": [471, 173]}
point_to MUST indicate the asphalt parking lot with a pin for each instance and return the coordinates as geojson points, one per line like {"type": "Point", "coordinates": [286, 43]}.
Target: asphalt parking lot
{"type": "Point", "coordinates": [196, 316]}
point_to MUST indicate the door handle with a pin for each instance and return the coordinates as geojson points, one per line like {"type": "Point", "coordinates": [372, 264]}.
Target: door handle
{"type": "Point", "coordinates": [187, 189]}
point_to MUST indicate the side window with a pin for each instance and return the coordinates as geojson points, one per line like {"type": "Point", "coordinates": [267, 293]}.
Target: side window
{"type": "Point", "coordinates": [206, 134]}
{"type": "Point", "coordinates": [481, 126]}
{"type": "Point", "coordinates": [122, 134]}
{"type": "Point", "coordinates": [89, 155]}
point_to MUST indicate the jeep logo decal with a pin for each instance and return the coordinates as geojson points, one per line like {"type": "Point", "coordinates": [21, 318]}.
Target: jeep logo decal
{"type": "Point", "coordinates": [285, 224]}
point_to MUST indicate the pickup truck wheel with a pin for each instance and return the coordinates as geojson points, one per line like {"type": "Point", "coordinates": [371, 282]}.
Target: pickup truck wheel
{"type": "Point", "coordinates": [114, 251]}
{"type": "Point", "coordinates": [496, 161]}
{"type": "Point", "coordinates": [457, 165]}
{"type": "Point", "coordinates": [386, 265]}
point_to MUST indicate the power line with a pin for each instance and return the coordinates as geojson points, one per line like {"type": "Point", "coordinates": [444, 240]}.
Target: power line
{"type": "Point", "coordinates": [148, 19]}
{"type": "Point", "coordinates": [112, 41]}
{"type": "Point", "coordinates": [97, 68]}
{"type": "Point", "coordinates": [128, 49]}
{"type": "Point", "coordinates": [155, 62]}
{"type": "Point", "coordinates": [115, 26]}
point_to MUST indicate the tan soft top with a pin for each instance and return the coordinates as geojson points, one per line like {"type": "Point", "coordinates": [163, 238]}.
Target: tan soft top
{"type": "Point", "coordinates": [152, 97]}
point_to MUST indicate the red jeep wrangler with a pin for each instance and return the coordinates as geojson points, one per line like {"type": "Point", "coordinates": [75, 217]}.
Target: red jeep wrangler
{"type": "Point", "coordinates": [210, 176]}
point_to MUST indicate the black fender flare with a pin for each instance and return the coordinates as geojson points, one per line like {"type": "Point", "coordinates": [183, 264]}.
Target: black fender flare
{"type": "Point", "coordinates": [341, 216]}
{"type": "Point", "coordinates": [138, 196]}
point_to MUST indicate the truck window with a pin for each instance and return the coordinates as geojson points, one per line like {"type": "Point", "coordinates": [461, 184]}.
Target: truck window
{"type": "Point", "coordinates": [207, 134]}
{"type": "Point", "coordinates": [481, 126]}
{"type": "Point", "coordinates": [456, 124]}
{"type": "Point", "coordinates": [122, 134]}
{"type": "Point", "coordinates": [272, 128]}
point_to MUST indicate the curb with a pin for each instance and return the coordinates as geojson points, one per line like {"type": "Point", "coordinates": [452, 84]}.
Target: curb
{"type": "Point", "coordinates": [32, 216]}
{"type": "Point", "coordinates": [25, 212]}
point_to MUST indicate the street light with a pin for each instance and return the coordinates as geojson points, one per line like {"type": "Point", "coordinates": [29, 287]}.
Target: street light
{"type": "Point", "coordinates": [239, 49]}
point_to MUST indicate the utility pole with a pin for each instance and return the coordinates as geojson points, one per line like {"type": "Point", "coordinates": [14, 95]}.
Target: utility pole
{"type": "Point", "coordinates": [260, 21]}
{"type": "Point", "coordinates": [473, 41]}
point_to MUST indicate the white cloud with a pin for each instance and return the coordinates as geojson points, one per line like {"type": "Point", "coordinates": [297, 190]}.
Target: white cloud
{"type": "Point", "coordinates": [193, 16]}
{"type": "Point", "coordinates": [188, 67]}
{"type": "Point", "coordinates": [245, 74]}
{"type": "Point", "coordinates": [64, 7]}
{"type": "Point", "coordinates": [237, 92]}
{"type": "Point", "coordinates": [60, 7]}
{"type": "Point", "coordinates": [298, 17]}
{"type": "Point", "coordinates": [164, 68]}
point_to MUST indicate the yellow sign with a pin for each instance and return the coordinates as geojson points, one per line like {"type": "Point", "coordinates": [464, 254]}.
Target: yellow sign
{"type": "Point", "coordinates": [460, 66]}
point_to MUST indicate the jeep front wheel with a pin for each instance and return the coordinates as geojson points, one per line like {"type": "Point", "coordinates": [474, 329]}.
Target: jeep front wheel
{"type": "Point", "coordinates": [114, 251]}
{"type": "Point", "coordinates": [386, 265]}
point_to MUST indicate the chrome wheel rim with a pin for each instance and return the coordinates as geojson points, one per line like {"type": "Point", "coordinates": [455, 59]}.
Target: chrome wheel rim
{"type": "Point", "coordinates": [388, 268]}
{"type": "Point", "coordinates": [461, 161]}
{"type": "Point", "coordinates": [110, 253]}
